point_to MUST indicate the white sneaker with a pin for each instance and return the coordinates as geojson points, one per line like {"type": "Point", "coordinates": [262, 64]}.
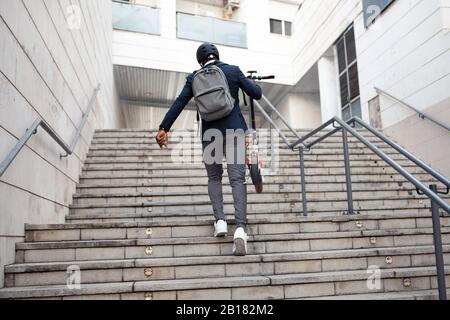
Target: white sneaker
{"type": "Point", "coordinates": [240, 242]}
{"type": "Point", "coordinates": [221, 228]}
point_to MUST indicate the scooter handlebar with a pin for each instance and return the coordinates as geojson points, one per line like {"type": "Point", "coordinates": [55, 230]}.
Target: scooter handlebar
{"type": "Point", "coordinates": [261, 78]}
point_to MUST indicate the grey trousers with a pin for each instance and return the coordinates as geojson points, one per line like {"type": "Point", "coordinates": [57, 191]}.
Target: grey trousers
{"type": "Point", "coordinates": [234, 151]}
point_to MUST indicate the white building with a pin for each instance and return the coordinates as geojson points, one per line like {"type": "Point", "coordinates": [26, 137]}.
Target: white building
{"type": "Point", "coordinates": [327, 56]}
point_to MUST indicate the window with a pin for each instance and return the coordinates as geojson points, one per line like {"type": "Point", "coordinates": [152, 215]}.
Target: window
{"type": "Point", "coordinates": [348, 75]}
{"type": "Point", "coordinates": [280, 27]}
{"type": "Point", "coordinates": [288, 28]}
{"type": "Point", "coordinates": [209, 29]}
{"type": "Point", "coordinates": [276, 26]}
{"type": "Point", "coordinates": [135, 18]}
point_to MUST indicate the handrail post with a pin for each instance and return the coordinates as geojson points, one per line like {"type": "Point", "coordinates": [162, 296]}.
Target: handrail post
{"type": "Point", "coordinates": [438, 247]}
{"type": "Point", "coordinates": [18, 147]}
{"type": "Point", "coordinates": [348, 178]}
{"type": "Point", "coordinates": [82, 124]}
{"type": "Point", "coordinates": [303, 182]}
{"type": "Point", "coordinates": [273, 157]}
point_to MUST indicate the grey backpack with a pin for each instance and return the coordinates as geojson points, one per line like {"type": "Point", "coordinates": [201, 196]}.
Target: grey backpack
{"type": "Point", "coordinates": [212, 93]}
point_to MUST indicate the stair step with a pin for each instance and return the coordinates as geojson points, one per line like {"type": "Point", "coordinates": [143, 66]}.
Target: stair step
{"type": "Point", "coordinates": [38, 274]}
{"type": "Point", "coordinates": [207, 246]}
{"type": "Point", "coordinates": [123, 216]}
{"type": "Point", "coordinates": [194, 228]}
{"type": "Point", "coordinates": [203, 206]}
{"type": "Point", "coordinates": [195, 171]}
{"type": "Point", "coordinates": [409, 295]}
{"type": "Point", "coordinates": [236, 288]}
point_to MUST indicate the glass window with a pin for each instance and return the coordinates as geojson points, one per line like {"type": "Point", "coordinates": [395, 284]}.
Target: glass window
{"type": "Point", "coordinates": [346, 114]}
{"type": "Point", "coordinates": [230, 33]}
{"type": "Point", "coordinates": [351, 46]}
{"type": "Point", "coordinates": [276, 26]}
{"type": "Point", "coordinates": [356, 108]}
{"type": "Point", "coordinates": [135, 18]}
{"type": "Point", "coordinates": [343, 80]}
{"type": "Point", "coordinates": [348, 75]}
{"type": "Point", "coordinates": [288, 28]}
{"type": "Point", "coordinates": [341, 55]}
{"type": "Point", "coordinates": [208, 29]}
{"type": "Point", "coordinates": [194, 27]}
{"type": "Point", "coordinates": [353, 81]}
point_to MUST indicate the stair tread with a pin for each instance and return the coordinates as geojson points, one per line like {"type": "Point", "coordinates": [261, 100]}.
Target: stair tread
{"type": "Point", "coordinates": [209, 283]}
{"type": "Point", "coordinates": [406, 295]}
{"type": "Point", "coordinates": [260, 201]}
{"type": "Point", "coordinates": [209, 221]}
{"type": "Point", "coordinates": [208, 260]}
{"type": "Point", "coordinates": [211, 240]}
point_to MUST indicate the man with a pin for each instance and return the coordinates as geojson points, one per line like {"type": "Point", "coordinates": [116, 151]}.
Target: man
{"type": "Point", "coordinates": [208, 54]}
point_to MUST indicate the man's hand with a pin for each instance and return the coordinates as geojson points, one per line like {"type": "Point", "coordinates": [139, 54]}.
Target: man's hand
{"type": "Point", "coordinates": [162, 138]}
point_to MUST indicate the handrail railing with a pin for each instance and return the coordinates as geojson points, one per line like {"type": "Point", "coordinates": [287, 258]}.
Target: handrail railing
{"type": "Point", "coordinates": [421, 114]}
{"type": "Point", "coordinates": [431, 192]}
{"type": "Point", "coordinates": [47, 128]}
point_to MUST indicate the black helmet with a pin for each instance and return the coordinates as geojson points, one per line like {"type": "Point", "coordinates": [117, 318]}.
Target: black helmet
{"type": "Point", "coordinates": [205, 50]}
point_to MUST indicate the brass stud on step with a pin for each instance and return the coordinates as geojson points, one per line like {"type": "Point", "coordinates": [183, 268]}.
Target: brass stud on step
{"type": "Point", "coordinates": [359, 224]}
{"type": "Point", "coordinates": [148, 251]}
{"type": "Point", "coordinates": [389, 260]}
{"type": "Point", "coordinates": [373, 240]}
{"type": "Point", "coordinates": [148, 296]}
{"type": "Point", "coordinates": [149, 231]}
{"type": "Point", "coordinates": [150, 209]}
{"type": "Point", "coordinates": [407, 283]}
{"type": "Point", "coordinates": [148, 272]}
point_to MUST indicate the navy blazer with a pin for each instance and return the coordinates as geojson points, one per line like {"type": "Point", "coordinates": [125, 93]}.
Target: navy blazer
{"type": "Point", "coordinates": [235, 120]}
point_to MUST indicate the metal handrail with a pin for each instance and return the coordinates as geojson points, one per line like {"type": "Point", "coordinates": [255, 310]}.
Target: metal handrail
{"type": "Point", "coordinates": [421, 114]}
{"type": "Point", "coordinates": [431, 192]}
{"type": "Point", "coordinates": [282, 118]}
{"type": "Point", "coordinates": [441, 178]}
{"type": "Point", "coordinates": [47, 128]}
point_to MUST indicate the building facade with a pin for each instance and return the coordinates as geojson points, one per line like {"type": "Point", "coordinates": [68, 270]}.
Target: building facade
{"type": "Point", "coordinates": [331, 58]}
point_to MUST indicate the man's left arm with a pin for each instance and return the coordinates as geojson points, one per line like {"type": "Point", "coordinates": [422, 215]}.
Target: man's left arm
{"type": "Point", "coordinates": [174, 112]}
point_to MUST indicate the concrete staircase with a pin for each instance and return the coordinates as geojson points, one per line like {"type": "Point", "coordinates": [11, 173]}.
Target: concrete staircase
{"type": "Point", "coordinates": [140, 227]}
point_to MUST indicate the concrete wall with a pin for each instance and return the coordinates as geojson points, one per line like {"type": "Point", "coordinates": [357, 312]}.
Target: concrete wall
{"type": "Point", "coordinates": [302, 110]}
{"type": "Point", "coordinates": [424, 139]}
{"type": "Point", "coordinates": [407, 53]}
{"type": "Point", "coordinates": [52, 56]}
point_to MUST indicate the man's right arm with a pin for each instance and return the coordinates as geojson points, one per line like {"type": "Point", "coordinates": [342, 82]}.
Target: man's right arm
{"type": "Point", "coordinates": [249, 86]}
